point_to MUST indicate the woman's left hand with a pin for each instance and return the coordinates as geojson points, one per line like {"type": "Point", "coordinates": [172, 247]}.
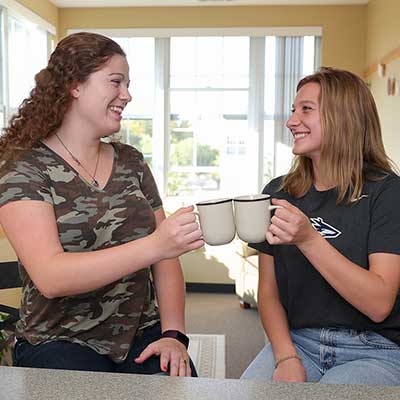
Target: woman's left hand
{"type": "Point", "coordinates": [289, 225]}
{"type": "Point", "coordinates": [172, 353]}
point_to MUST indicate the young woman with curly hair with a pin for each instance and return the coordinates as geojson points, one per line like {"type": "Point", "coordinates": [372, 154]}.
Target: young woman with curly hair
{"type": "Point", "coordinates": [329, 272]}
{"type": "Point", "coordinates": [86, 221]}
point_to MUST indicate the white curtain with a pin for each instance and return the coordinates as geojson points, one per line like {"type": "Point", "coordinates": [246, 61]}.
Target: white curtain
{"type": "Point", "coordinates": [289, 67]}
{"type": "Point", "coordinates": [317, 52]}
{"type": "Point", "coordinates": [27, 55]}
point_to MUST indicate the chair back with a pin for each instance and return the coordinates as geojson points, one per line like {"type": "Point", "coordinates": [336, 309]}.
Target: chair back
{"type": "Point", "coordinates": [10, 284]}
{"type": "Point", "coordinates": [10, 297]}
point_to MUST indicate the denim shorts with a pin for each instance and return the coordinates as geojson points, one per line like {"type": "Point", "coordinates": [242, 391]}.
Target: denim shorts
{"type": "Point", "coordinates": [336, 355]}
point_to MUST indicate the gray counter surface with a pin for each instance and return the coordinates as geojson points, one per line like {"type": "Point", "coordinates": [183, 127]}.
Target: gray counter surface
{"type": "Point", "coordinates": [43, 384]}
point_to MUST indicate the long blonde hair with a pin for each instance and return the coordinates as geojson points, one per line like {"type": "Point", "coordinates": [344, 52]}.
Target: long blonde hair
{"type": "Point", "coordinates": [352, 149]}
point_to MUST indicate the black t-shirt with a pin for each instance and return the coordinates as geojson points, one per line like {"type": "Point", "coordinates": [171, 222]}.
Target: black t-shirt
{"type": "Point", "coordinates": [369, 225]}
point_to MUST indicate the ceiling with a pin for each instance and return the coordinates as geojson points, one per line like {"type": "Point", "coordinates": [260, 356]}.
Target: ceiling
{"type": "Point", "coordinates": [187, 3]}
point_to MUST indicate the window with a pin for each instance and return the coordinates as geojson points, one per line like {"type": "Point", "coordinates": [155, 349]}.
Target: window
{"type": "Point", "coordinates": [137, 125]}
{"type": "Point", "coordinates": [27, 56]}
{"type": "Point", "coordinates": [209, 85]}
{"type": "Point", "coordinates": [25, 47]}
{"type": "Point", "coordinates": [2, 73]}
{"type": "Point", "coordinates": [209, 111]}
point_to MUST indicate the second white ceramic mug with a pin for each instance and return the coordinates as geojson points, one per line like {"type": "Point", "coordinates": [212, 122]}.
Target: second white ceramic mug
{"type": "Point", "coordinates": [216, 221]}
{"type": "Point", "coordinates": [253, 216]}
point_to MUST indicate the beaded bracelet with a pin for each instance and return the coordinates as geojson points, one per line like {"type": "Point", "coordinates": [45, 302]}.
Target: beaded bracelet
{"type": "Point", "coordinates": [281, 360]}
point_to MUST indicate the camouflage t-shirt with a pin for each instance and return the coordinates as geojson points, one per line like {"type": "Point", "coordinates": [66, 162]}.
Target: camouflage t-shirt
{"type": "Point", "coordinates": [88, 219]}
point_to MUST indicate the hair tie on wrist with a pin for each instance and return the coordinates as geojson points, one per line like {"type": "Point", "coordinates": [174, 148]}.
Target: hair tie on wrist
{"type": "Point", "coordinates": [281, 360]}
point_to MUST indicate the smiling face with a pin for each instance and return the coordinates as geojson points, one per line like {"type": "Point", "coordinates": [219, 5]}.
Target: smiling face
{"type": "Point", "coordinates": [100, 100]}
{"type": "Point", "coordinates": [305, 122]}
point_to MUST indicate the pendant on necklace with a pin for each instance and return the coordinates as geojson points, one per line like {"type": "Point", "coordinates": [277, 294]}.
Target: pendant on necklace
{"type": "Point", "coordinates": [95, 183]}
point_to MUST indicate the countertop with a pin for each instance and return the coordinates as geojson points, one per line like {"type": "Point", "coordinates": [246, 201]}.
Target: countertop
{"type": "Point", "coordinates": [43, 384]}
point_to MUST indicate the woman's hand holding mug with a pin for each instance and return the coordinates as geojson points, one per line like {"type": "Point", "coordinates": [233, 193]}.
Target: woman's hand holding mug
{"type": "Point", "coordinates": [289, 225]}
{"type": "Point", "coordinates": [179, 233]}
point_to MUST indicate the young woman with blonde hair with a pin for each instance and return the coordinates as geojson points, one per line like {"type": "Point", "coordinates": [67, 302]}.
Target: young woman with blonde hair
{"type": "Point", "coordinates": [86, 221]}
{"type": "Point", "coordinates": [329, 272]}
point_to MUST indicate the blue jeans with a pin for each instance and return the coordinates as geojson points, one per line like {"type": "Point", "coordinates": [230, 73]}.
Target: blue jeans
{"type": "Point", "coordinates": [73, 356]}
{"type": "Point", "coordinates": [334, 355]}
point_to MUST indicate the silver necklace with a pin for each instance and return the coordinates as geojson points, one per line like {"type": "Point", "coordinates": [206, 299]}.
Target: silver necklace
{"type": "Point", "coordinates": [94, 181]}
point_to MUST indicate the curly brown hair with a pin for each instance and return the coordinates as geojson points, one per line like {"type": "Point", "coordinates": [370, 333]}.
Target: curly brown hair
{"type": "Point", "coordinates": [41, 114]}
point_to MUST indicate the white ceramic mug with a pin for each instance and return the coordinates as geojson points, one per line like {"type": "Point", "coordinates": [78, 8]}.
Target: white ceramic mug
{"type": "Point", "coordinates": [216, 221]}
{"type": "Point", "coordinates": [253, 216]}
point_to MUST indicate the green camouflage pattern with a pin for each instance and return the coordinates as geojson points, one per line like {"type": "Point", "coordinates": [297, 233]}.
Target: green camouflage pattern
{"type": "Point", "coordinates": [89, 219]}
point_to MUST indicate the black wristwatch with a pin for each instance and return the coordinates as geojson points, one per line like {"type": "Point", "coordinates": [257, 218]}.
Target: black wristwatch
{"type": "Point", "coordinates": [181, 337]}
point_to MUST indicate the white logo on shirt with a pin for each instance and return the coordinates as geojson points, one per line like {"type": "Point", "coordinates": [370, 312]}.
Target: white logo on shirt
{"type": "Point", "coordinates": [327, 231]}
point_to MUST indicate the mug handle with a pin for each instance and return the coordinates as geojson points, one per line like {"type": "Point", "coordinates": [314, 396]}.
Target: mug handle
{"type": "Point", "coordinates": [197, 214]}
{"type": "Point", "coordinates": [274, 207]}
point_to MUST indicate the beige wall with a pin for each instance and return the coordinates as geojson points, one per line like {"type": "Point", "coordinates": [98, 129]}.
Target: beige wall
{"type": "Point", "coordinates": [383, 28]}
{"type": "Point", "coordinates": [43, 8]}
{"type": "Point", "coordinates": [6, 251]}
{"type": "Point", "coordinates": [344, 27]}
{"type": "Point", "coordinates": [383, 36]}
{"type": "Point", "coordinates": [212, 264]}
